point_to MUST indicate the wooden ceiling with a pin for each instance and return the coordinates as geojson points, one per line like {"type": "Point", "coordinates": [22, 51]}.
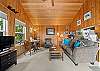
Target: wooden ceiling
{"type": "Point", "coordinates": [42, 12]}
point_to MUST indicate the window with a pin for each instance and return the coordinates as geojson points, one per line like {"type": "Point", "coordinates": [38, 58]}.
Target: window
{"type": "Point", "coordinates": [3, 24]}
{"type": "Point", "coordinates": [20, 34]}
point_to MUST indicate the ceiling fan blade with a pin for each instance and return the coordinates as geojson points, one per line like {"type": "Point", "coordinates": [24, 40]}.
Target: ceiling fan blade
{"type": "Point", "coordinates": [43, 0]}
{"type": "Point", "coordinates": [52, 1]}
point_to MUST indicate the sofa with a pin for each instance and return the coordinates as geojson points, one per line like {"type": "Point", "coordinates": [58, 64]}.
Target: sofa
{"type": "Point", "coordinates": [86, 52]}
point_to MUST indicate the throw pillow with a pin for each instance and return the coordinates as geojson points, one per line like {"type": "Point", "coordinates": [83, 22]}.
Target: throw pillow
{"type": "Point", "coordinates": [76, 44]}
{"type": "Point", "coordinates": [66, 42]}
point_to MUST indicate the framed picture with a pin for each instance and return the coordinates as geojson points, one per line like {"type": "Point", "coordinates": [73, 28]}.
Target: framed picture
{"type": "Point", "coordinates": [87, 15]}
{"type": "Point", "coordinates": [78, 22]}
{"type": "Point", "coordinates": [50, 31]}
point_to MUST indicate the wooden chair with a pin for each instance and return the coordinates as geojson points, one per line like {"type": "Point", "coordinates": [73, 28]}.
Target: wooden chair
{"type": "Point", "coordinates": [27, 47]}
{"type": "Point", "coordinates": [34, 46]}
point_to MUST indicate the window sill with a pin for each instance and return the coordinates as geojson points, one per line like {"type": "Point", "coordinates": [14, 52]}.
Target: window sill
{"type": "Point", "coordinates": [18, 45]}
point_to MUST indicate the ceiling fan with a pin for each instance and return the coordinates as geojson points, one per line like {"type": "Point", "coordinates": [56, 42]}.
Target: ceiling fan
{"type": "Point", "coordinates": [52, 2]}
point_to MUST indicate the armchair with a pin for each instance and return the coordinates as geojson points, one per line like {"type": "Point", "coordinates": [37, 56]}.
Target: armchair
{"type": "Point", "coordinates": [48, 43]}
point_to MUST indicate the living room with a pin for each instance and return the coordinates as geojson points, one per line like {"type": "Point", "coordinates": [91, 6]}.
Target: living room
{"type": "Point", "coordinates": [44, 24]}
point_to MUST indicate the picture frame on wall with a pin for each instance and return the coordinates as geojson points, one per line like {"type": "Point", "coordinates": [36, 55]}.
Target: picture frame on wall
{"type": "Point", "coordinates": [78, 22]}
{"type": "Point", "coordinates": [87, 15]}
{"type": "Point", "coordinates": [50, 31]}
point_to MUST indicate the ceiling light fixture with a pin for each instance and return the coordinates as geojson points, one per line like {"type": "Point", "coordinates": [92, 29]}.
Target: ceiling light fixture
{"type": "Point", "coordinates": [52, 2]}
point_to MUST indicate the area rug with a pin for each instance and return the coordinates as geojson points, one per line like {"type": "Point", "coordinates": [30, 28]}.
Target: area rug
{"type": "Point", "coordinates": [95, 68]}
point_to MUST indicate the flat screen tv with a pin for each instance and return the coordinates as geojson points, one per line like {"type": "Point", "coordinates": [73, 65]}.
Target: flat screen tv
{"type": "Point", "coordinates": [6, 42]}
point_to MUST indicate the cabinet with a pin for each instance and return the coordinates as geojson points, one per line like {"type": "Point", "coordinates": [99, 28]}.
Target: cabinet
{"type": "Point", "coordinates": [7, 59]}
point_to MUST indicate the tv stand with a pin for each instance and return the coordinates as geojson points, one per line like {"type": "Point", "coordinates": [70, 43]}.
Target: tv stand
{"type": "Point", "coordinates": [7, 59]}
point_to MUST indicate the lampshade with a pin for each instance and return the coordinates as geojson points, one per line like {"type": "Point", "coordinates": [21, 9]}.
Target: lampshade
{"type": "Point", "coordinates": [31, 30]}
{"type": "Point", "coordinates": [58, 34]}
{"type": "Point", "coordinates": [34, 29]}
{"type": "Point", "coordinates": [61, 35]}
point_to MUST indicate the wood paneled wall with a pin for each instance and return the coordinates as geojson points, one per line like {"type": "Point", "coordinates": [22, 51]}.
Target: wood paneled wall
{"type": "Point", "coordinates": [97, 12]}
{"type": "Point", "coordinates": [41, 33]}
{"type": "Point", "coordinates": [87, 6]}
{"type": "Point", "coordinates": [22, 16]}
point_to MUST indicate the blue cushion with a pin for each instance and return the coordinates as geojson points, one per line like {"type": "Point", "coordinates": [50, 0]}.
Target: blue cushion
{"type": "Point", "coordinates": [76, 44]}
{"type": "Point", "coordinates": [66, 42]}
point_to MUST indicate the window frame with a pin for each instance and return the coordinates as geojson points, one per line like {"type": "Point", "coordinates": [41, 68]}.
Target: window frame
{"type": "Point", "coordinates": [5, 24]}
{"type": "Point", "coordinates": [21, 33]}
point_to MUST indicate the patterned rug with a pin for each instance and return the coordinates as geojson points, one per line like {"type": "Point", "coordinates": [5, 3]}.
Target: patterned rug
{"type": "Point", "coordinates": [95, 68]}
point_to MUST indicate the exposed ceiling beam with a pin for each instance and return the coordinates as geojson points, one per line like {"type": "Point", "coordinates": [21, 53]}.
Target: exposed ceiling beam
{"type": "Point", "coordinates": [57, 1]}
{"type": "Point", "coordinates": [59, 8]}
{"type": "Point", "coordinates": [41, 9]}
{"type": "Point", "coordinates": [53, 18]}
{"type": "Point", "coordinates": [53, 13]}
{"type": "Point", "coordinates": [65, 4]}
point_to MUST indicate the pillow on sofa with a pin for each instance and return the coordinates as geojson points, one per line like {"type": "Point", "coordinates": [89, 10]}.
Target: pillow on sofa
{"type": "Point", "coordinates": [66, 42]}
{"type": "Point", "coordinates": [77, 44]}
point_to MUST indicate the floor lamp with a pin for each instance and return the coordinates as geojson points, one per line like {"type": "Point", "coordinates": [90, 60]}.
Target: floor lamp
{"type": "Point", "coordinates": [57, 37]}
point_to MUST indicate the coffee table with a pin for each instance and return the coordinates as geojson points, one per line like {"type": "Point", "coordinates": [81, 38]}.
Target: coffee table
{"type": "Point", "coordinates": [55, 53]}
